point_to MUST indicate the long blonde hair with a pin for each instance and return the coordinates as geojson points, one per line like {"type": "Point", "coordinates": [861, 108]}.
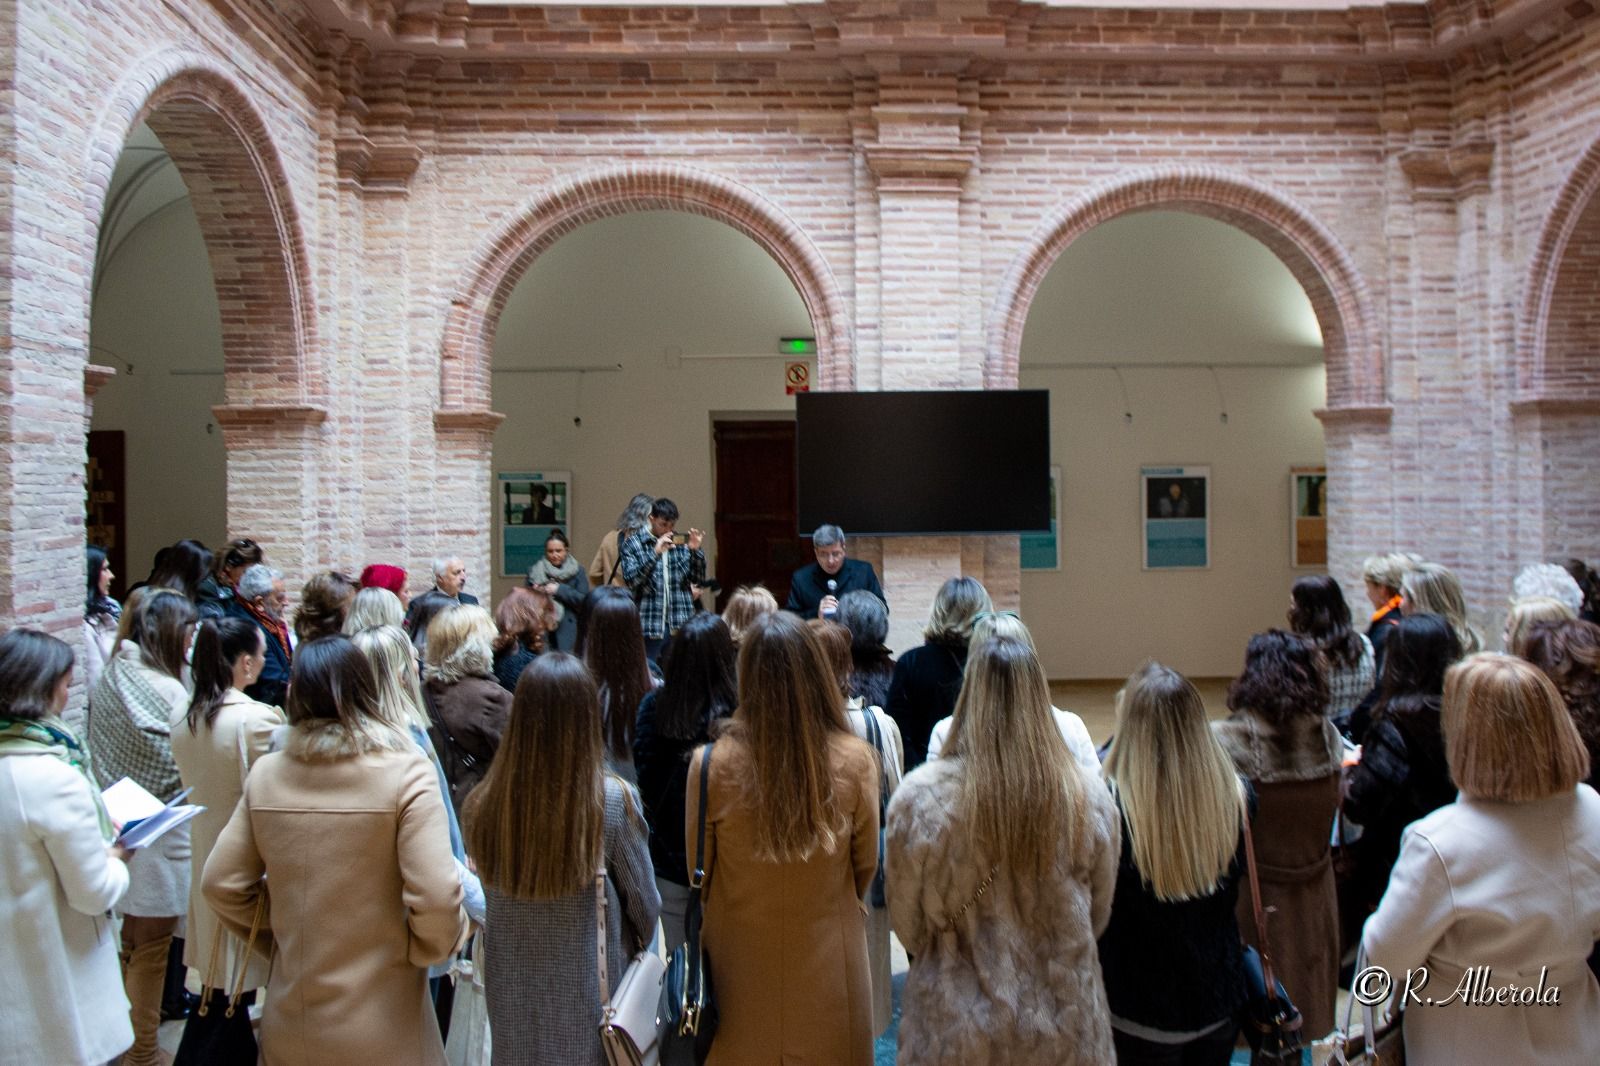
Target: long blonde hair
{"type": "Point", "coordinates": [1429, 588]}
{"type": "Point", "coordinates": [460, 644]}
{"type": "Point", "coordinates": [1181, 799]}
{"type": "Point", "coordinates": [1022, 796]}
{"type": "Point", "coordinates": [394, 667]}
{"type": "Point", "coordinates": [371, 608]}
{"type": "Point", "coordinates": [789, 708]}
{"type": "Point", "coordinates": [535, 825]}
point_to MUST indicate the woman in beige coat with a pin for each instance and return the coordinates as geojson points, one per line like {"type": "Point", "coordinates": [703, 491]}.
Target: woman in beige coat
{"type": "Point", "coordinates": [1002, 864]}
{"type": "Point", "coordinates": [1500, 889]}
{"type": "Point", "coordinates": [791, 847]}
{"type": "Point", "coordinates": [223, 735]}
{"type": "Point", "coordinates": [348, 829]}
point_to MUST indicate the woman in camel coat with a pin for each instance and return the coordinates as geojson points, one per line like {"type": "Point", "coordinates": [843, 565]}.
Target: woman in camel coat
{"type": "Point", "coordinates": [1282, 743]}
{"type": "Point", "coordinates": [347, 825]}
{"type": "Point", "coordinates": [785, 926]}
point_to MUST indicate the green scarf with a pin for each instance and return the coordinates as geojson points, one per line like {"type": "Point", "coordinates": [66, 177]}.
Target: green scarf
{"type": "Point", "coordinates": [52, 736]}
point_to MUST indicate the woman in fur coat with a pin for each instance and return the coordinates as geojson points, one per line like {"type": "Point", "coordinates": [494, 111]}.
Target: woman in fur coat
{"type": "Point", "coordinates": [1002, 862]}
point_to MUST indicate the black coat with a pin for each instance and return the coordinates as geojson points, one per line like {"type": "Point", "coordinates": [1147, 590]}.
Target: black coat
{"type": "Point", "coordinates": [662, 764]}
{"type": "Point", "coordinates": [923, 691]}
{"type": "Point", "coordinates": [809, 584]}
{"type": "Point", "coordinates": [273, 684]}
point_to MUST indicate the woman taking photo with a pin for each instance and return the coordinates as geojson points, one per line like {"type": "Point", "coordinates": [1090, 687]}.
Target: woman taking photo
{"type": "Point", "coordinates": [465, 704]}
{"type": "Point", "coordinates": [346, 826]}
{"type": "Point", "coordinates": [998, 852]}
{"type": "Point", "coordinates": [1171, 956]}
{"type": "Point", "coordinates": [673, 720]}
{"type": "Point", "coordinates": [1318, 613]}
{"type": "Point", "coordinates": [59, 873]}
{"type": "Point", "coordinates": [132, 711]}
{"type": "Point", "coordinates": [559, 576]}
{"type": "Point", "coordinates": [1280, 741]}
{"type": "Point", "coordinates": [101, 615]}
{"type": "Point", "coordinates": [791, 849]}
{"type": "Point", "coordinates": [1502, 879]}
{"type": "Point", "coordinates": [1402, 774]}
{"type": "Point", "coordinates": [613, 650]}
{"type": "Point", "coordinates": [548, 823]}
{"type": "Point", "coordinates": [221, 737]}
{"type": "Point", "coordinates": [927, 679]}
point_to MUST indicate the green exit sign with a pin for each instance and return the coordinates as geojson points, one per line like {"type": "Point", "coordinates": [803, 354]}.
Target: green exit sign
{"type": "Point", "coordinates": [797, 345]}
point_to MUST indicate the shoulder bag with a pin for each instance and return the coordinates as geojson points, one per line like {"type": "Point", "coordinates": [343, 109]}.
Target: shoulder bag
{"type": "Point", "coordinates": [876, 895]}
{"type": "Point", "coordinates": [628, 1029]}
{"type": "Point", "coordinates": [1373, 1046]}
{"type": "Point", "coordinates": [1271, 1021]}
{"type": "Point", "coordinates": [224, 1037]}
{"type": "Point", "coordinates": [688, 1000]}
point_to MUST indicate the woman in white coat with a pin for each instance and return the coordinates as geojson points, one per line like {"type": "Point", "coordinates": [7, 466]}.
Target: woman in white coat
{"type": "Point", "coordinates": [1500, 889]}
{"type": "Point", "coordinates": [223, 735]}
{"type": "Point", "coordinates": [59, 876]}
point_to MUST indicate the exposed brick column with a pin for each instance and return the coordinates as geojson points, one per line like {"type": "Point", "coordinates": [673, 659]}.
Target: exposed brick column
{"type": "Point", "coordinates": [462, 468]}
{"type": "Point", "coordinates": [279, 483]}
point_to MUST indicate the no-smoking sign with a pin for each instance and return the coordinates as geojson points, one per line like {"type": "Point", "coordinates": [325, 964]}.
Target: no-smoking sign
{"type": "Point", "coordinates": [796, 378]}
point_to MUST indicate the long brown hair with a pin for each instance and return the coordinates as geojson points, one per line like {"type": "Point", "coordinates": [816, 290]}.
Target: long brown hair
{"type": "Point", "coordinates": [1022, 796]}
{"type": "Point", "coordinates": [535, 825]}
{"type": "Point", "coordinates": [160, 626]}
{"type": "Point", "coordinates": [613, 649]}
{"type": "Point", "coordinates": [789, 708]}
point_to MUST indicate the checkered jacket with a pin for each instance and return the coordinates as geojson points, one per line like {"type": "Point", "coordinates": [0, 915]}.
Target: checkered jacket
{"type": "Point", "coordinates": [661, 582]}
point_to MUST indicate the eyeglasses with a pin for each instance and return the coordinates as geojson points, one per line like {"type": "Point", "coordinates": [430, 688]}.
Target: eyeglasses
{"type": "Point", "coordinates": [981, 615]}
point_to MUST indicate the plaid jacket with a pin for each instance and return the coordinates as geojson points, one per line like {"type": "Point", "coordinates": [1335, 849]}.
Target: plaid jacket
{"type": "Point", "coordinates": [661, 582]}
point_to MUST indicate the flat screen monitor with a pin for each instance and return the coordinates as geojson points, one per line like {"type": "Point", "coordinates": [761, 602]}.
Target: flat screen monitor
{"type": "Point", "coordinates": [918, 463]}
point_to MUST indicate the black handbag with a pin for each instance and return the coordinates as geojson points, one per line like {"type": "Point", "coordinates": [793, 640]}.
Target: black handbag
{"type": "Point", "coordinates": [688, 1000]}
{"type": "Point", "coordinates": [876, 896]}
{"type": "Point", "coordinates": [1271, 1022]}
{"type": "Point", "coordinates": [219, 1033]}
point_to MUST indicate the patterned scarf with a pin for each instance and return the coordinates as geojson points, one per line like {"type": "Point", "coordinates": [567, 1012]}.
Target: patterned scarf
{"type": "Point", "coordinates": [542, 573]}
{"type": "Point", "coordinates": [128, 729]}
{"type": "Point", "coordinates": [51, 736]}
{"type": "Point", "coordinates": [275, 626]}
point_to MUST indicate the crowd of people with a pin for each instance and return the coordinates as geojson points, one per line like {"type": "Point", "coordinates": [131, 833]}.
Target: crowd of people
{"type": "Point", "coordinates": [396, 788]}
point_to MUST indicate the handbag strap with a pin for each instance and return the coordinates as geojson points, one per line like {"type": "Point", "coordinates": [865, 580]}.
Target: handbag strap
{"type": "Point", "coordinates": [465, 757]}
{"type": "Point", "coordinates": [875, 735]}
{"type": "Point", "coordinates": [249, 946]}
{"type": "Point", "coordinates": [600, 939]}
{"type": "Point", "coordinates": [698, 876]}
{"type": "Point", "coordinates": [983, 887]}
{"type": "Point", "coordinates": [1260, 914]}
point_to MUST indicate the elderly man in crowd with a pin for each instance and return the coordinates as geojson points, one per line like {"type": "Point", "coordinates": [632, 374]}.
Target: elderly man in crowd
{"type": "Point", "coordinates": [449, 579]}
{"type": "Point", "coordinates": [815, 589]}
{"type": "Point", "coordinates": [261, 597]}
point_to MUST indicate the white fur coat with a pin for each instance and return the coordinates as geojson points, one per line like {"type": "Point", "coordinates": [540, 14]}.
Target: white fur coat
{"type": "Point", "coordinates": [1016, 981]}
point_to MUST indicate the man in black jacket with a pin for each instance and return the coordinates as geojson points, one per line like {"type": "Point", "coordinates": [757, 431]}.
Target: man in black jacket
{"type": "Point", "coordinates": [815, 589]}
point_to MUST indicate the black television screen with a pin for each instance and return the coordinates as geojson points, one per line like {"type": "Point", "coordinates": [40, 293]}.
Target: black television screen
{"type": "Point", "coordinates": [904, 463]}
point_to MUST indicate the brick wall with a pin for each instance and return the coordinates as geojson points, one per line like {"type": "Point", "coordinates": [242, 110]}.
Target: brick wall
{"type": "Point", "coordinates": [372, 181]}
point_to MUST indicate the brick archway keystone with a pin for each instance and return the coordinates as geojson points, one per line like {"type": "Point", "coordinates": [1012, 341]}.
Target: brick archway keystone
{"type": "Point", "coordinates": [581, 198]}
{"type": "Point", "coordinates": [1339, 297]}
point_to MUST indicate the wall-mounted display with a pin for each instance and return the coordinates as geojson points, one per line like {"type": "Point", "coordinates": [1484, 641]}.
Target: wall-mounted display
{"type": "Point", "coordinates": [1175, 503]}
{"type": "Point", "coordinates": [530, 504]}
{"type": "Point", "coordinates": [1308, 502]}
{"type": "Point", "coordinates": [1042, 551]}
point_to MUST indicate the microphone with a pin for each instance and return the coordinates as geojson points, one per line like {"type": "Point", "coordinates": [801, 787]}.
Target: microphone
{"type": "Point", "coordinates": [833, 587]}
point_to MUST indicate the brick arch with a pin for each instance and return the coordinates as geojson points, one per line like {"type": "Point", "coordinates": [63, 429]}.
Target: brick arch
{"type": "Point", "coordinates": [241, 198]}
{"type": "Point", "coordinates": [1571, 231]}
{"type": "Point", "coordinates": [1338, 295]}
{"type": "Point", "coordinates": [573, 201]}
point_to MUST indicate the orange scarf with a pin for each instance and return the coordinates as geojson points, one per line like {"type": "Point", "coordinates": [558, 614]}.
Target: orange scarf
{"type": "Point", "coordinates": [1383, 612]}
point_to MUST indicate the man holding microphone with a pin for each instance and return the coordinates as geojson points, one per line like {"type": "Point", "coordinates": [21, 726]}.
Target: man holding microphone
{"type": "Point", "coordinates": [815, 589]}
{"type": "Point", "coordinates": [659, 565]}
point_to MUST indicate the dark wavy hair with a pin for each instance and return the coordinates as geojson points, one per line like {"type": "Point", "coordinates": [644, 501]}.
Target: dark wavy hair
{"type": "Point", "coordinates": [218, 643]}
{"type": "Point", "coordinates": [1416, 655]}
{"type": "Point", "coordinates": [1319, 613]}
{"type": "Point", "coordinates": [613, 650]}
{"type": "Point", "coordinates": [324, 602]}
{"type": "Point", "coordinates": [1569, 654]}
{"type": "Point", "coordinates": [702, 679]}
{"type": "Point", "coordinates": [95, 604]}
{"type": "Point", "coordinates": [1283, 676]}
{"type": "Point", "coordinates": [186, 564]}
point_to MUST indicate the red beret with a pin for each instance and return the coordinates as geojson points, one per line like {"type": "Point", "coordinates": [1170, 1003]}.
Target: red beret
{"type": "Point", "coordinates": [380, 576]}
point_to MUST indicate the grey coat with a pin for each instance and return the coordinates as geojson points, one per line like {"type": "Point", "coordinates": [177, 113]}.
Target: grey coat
{"type": "Point", "coordinates": [541, 976]}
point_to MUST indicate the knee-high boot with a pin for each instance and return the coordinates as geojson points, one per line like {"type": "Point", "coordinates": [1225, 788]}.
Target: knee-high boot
{"type": "Point", "coordinates": [143, 979]}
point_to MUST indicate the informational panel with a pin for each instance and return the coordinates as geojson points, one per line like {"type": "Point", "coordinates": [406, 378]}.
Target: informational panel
{"type": "Point", "coordinates": [1308, 503]}
{"type": "Point", "coordinates": [1175, 502]}
{"type": "Point", "coordinates": [1042, 551]}
{"type": "Point", "coordinates": [530, 505]}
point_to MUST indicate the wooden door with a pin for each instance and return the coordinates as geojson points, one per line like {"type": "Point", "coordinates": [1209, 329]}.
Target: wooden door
{"type": "Point", "coordinates": [756, 507]}
{"type": "Point", "coordinates": [107, 521]}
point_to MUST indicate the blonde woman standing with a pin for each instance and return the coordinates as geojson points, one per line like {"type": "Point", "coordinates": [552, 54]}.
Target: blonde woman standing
{"type": "Point", "coordinates": [791, 849]}
{"type": "Point", "coordinates": [466, 706]}
{"type": "Point", "coordinates": [1429, 588]}
{"type": "Point", "coordinates": [927, 679]}
{"type": "Point", "coordinates": [1002, 863]}
{"type": "Point", "coordinates": [221, 737]}
{"type": "Point", "coordinates": [1173, 963]}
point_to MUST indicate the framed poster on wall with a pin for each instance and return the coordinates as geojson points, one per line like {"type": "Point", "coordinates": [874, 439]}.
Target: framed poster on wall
{"type": "Point", "coordinates": [1042, 551]}
{"type": "Point", "coordinates": [1308, 502]}
{"type": "Point", "coordinates": [529, 505]}
{"type": "Point", "coordinates": [1175, 502]}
